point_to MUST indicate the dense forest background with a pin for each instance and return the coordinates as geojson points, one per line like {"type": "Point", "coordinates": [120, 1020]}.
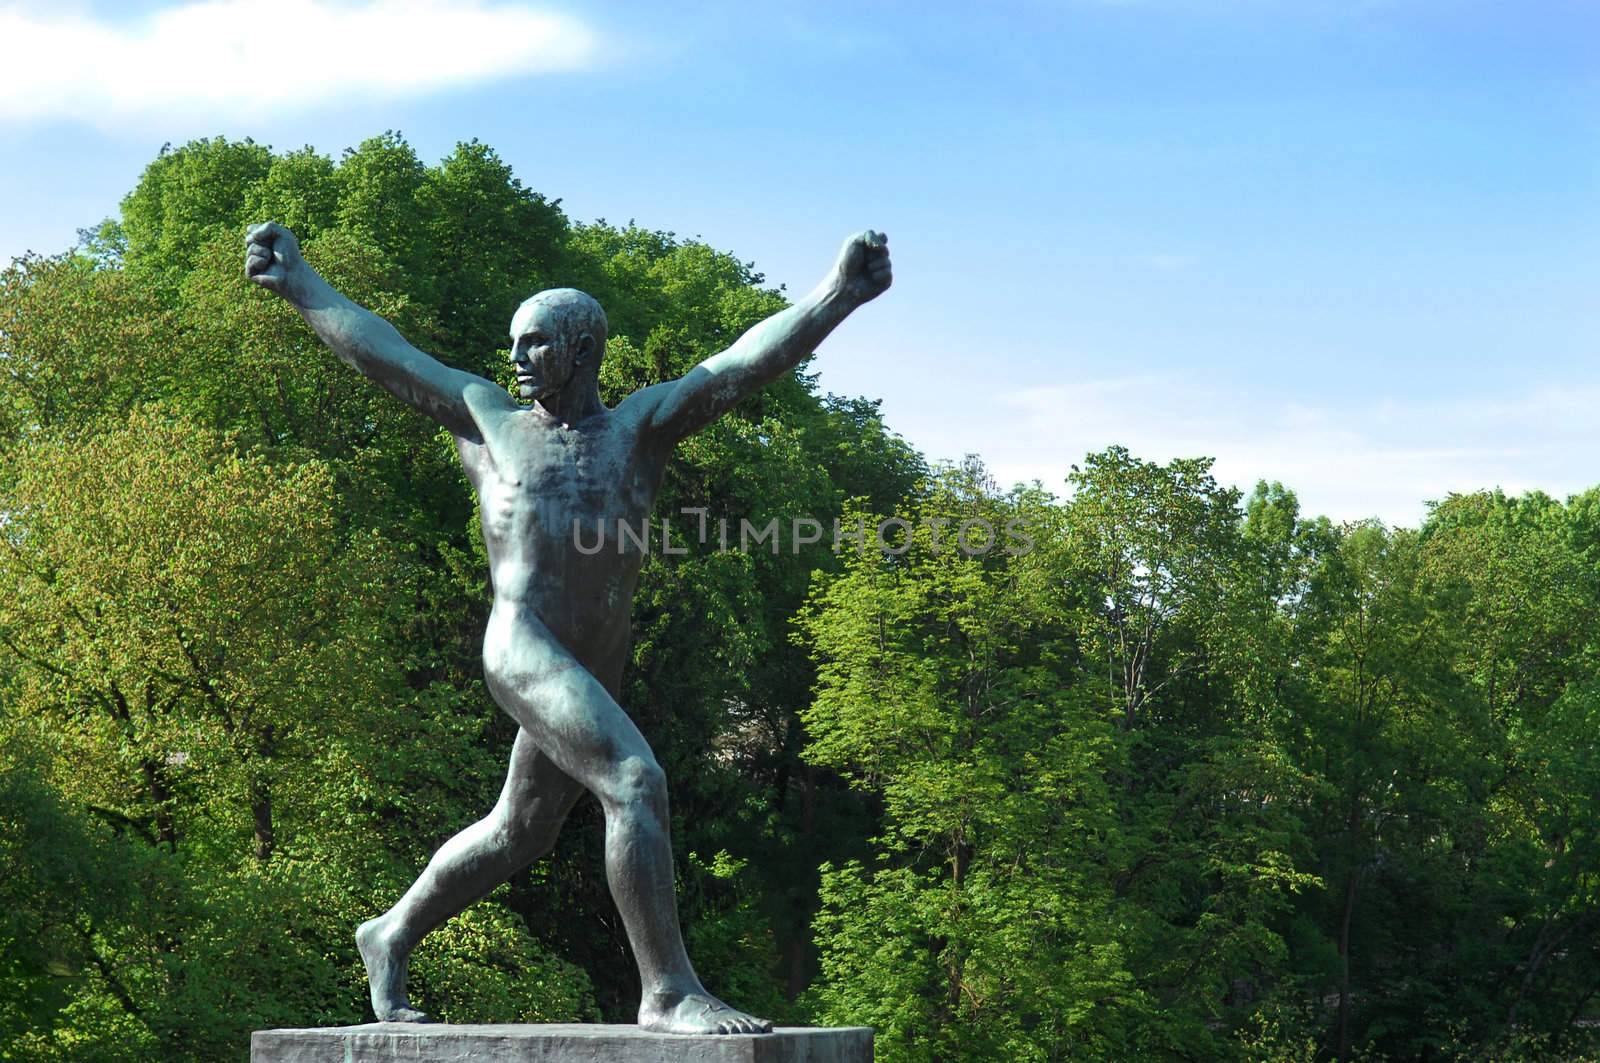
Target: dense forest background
{"type": "Point", "coordinates": [1198, 776]}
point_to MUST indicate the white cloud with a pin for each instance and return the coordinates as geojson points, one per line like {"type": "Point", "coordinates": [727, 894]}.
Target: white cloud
{"type": "Point", "coordinates": [247, 58]}
{"type": "Point", "coordinates": [1382, 456]}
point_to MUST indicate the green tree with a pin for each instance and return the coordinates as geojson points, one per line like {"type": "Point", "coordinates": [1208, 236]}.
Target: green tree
{"type": "Point", "coordinates": [981, 925]}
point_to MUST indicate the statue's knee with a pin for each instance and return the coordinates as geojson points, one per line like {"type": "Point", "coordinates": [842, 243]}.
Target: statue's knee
{"type": "Point", "coordinates": [505, 827]}
{"type": "Point", "coordinates": [638, 781]}
{"type": "Point", "coordinates": [526, 832]}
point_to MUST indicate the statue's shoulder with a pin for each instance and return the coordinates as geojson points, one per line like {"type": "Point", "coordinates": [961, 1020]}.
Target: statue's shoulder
{"type": "Point", "coordinates": [638, 409]}
{"type": "Point", "coordinates": [486, 397]}
{"type": "Point", "coordinates": [486, 403]}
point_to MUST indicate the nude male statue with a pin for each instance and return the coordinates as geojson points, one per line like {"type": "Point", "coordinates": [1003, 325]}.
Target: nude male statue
{"type": "Point", "coordinates": [558, 633]}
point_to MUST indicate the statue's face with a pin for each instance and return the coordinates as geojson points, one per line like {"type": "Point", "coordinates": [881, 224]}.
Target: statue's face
{"type": "Point", "coordinates": [542, 352]}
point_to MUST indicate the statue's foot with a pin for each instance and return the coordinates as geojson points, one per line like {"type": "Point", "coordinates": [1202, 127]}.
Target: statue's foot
{"type": "Point", "coordinates": [695, 1012]}
{"type": "Point", "coordinates": [386, 974]}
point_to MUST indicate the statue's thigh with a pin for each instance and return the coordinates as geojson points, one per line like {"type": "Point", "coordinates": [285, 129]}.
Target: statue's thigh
{"type": "Point", "coordinates": [568, 715]}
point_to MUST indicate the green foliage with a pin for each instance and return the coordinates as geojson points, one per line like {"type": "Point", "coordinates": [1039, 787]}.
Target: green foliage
{"type": "Point", "coordinates": [1200, 778]}
{"type": "Point", "coordinates": [184, 198]}
{"type": "Point", "coordinates": [55, 880]}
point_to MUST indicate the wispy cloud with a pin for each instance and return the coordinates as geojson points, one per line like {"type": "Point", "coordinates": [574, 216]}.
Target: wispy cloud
{"type": "Point", "coordinates": [1381, 457]}
{"type": "Point", "coordinates": [247, 58]}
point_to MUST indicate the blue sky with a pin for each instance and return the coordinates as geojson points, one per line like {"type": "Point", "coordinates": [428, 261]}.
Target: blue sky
{"type": "Point", "coordinates": [1348, 245]}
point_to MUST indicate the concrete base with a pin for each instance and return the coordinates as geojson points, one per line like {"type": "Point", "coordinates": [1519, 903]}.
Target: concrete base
{"type": "Point", "coordinates": [398, 1042]}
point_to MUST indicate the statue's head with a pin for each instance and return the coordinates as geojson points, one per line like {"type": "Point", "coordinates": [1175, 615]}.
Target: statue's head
{"type": "Point", "coordinates": [557, 339]}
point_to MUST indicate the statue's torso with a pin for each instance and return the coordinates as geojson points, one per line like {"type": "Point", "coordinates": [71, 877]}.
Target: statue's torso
{"type": "Point", "coordinates": [544, 490]}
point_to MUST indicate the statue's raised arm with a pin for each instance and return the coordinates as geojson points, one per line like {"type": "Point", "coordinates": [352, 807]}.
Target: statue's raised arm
{"type": "Point", "coordinates": [367, 342]}
{"type": "Point", "coordinates": [777, 344]}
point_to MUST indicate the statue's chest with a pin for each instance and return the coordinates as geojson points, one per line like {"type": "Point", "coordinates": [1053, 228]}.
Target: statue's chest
{"type": "Point", "coordinates": [557, 475]}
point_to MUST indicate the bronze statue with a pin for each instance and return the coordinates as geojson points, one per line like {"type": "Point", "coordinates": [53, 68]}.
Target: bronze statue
{"type": "Point", "coordinates": [559, 632]}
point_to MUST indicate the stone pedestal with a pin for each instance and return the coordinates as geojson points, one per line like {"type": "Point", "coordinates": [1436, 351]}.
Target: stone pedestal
{"type": "Point", "coordinates": [396, 1042]}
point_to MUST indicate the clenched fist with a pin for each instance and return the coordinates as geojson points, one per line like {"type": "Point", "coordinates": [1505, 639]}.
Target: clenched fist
{"type": "Point", "coordinates": [272, 259]}
{"type": "Point", "coordinates": [863, 270]}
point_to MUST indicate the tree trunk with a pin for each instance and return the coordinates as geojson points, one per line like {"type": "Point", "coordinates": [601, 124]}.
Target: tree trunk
{"type": "Point", "coordinates": [1342, 1038]}
{"type": "Point", "coordinates": [956, 966]}
{"type": "Point", "coordinates": [155, 782]}
{"type": "Point", "coordinates": [261, 813]}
